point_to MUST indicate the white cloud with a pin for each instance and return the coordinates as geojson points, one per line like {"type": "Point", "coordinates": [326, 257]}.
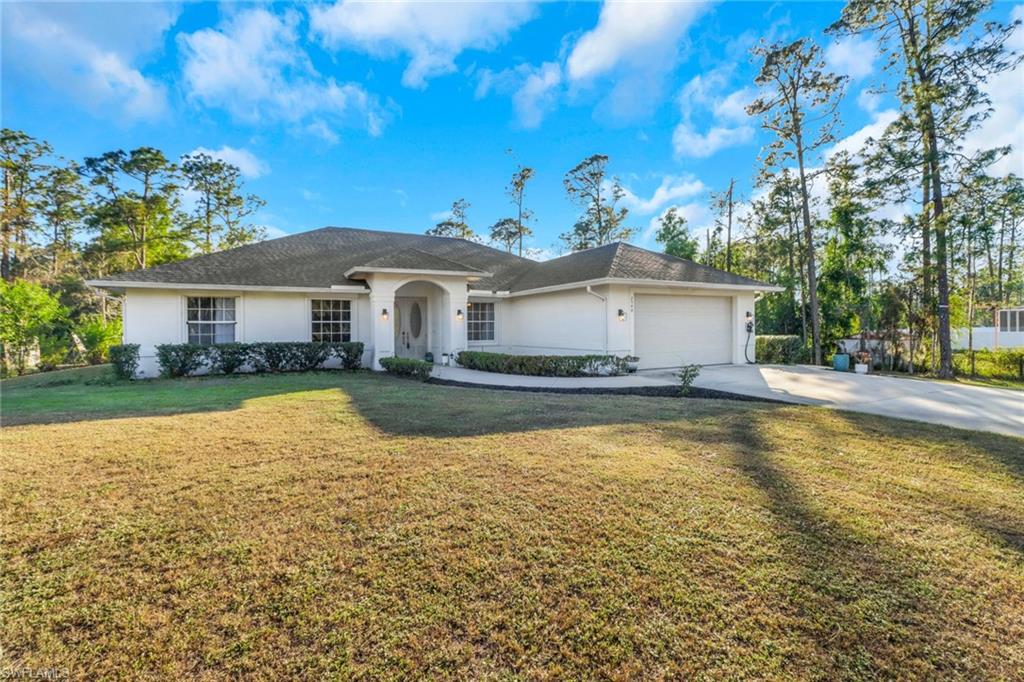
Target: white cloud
{"type": "Point", "coordinates": [534, 89]}
{"type": "Point", "coordinates": [1005, 126]}
{"type": "Point", "coordinates": [688, 142]}
{"type": "Point", "coordinates": [705, 95]}
{"type": "Point", "coordinates": [80, 51]}
{"type": "Point", "coordinates": [853, 144]}
{"type": "Point", "coordinates": [672, 188]}
{"type": "Point", "coordinates": [638, 44]}
{"type": "Point", "coordinates": [248, 163]}
{"type": "Point", "coordinates": [253, 66]}
{"type": "Point", "coordinates": [853, 56]}
{"type": "Point", "coordinates": [632, 33]}
{"type": "Point", "coordinates": [432, 34]}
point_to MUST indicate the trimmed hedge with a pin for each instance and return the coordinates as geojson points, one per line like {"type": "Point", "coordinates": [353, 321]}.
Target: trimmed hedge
{"type": "Point", "coordinates": [544, 365]}
{"type": "Point", "coordinates": [780, 350]}
{"type": "Point", "coordinates": [407, 367]}
{"type": "Point", "coordinates": [125, 360]}
{"type": "Point", "coordinates": [183, 359]}
{"type": "Point", "coordinates": [228, 357]}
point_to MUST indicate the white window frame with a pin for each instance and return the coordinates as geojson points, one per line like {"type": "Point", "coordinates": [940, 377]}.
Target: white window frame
{"type": "Point", "coordinates": [235, 326]}
{"type": "Point", "coordinates": [494, 323]}
{"type": "Point", "coordinates": [351, 314]}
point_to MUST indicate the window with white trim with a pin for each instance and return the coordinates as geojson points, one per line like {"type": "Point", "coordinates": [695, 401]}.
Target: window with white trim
{"type": "Point", "coordinates": [210, 319]}
{"type": "Point", "coordinates": [1011, 320]}
{"type": "Point", "coordinates": [480, 321]}
{"type": "Point", "coordinates": [332, 320]}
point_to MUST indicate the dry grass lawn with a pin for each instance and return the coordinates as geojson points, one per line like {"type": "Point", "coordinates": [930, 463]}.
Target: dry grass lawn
{"type": "Point", "coordinates": [357, 526]}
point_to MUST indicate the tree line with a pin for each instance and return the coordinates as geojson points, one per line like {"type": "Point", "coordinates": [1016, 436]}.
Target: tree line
{"type": "Point", "coordinates": [65, 221]}
{"type": "Point", "coordinates": [838, 260]}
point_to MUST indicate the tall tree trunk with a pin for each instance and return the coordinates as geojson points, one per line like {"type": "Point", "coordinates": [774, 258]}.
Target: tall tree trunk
{"type": "Point", "coordinates": [812, 276]}
{"type": "Point", "coordinates": [941, 257]}
{"type": "Point", "coordinates": [728, 234]}
{"type": "Point", "coordinates": [926, 238]}
{"type": "Point", "coordinates": [6, 229]}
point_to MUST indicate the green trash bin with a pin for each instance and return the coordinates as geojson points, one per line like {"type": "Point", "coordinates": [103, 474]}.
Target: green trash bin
{"type": "Point", "coordinates": [841, 362]}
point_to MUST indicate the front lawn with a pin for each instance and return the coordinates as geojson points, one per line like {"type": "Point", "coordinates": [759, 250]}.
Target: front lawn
{"type": "Point", "coordinates": [355, 525]}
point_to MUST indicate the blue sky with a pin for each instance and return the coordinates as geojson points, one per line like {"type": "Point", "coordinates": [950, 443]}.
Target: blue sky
{"type": "Point", "coordinates": [381, 115]}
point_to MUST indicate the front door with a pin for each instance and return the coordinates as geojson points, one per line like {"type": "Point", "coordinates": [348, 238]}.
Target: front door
{"type": "Point", "coordinates": [411, 327]}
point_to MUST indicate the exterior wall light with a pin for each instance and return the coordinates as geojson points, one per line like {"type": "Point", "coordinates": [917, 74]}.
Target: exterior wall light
{"type": "Point", "coordinates": [458, 314]}
{"type": "Point", "coordinates": [384, 314]}
{"type": "Point", "coordinates": [622, 315]}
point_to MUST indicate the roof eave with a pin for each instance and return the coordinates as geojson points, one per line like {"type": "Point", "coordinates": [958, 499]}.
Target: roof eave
{"type": "Point", "coordinates": [120, 285]}
{"type": "Point", "coordinates": [650, 283]}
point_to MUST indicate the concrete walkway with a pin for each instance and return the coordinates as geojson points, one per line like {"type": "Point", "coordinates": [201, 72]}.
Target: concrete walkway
{"type": "Point", "coordinates": [997, 410]}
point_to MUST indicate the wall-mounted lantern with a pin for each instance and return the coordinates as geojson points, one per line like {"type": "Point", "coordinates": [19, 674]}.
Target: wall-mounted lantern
{"type": "Point", "coordinates": [384, 314]}
{"type": "Point", "coordinates": [458, 314]}
{"type": "Point", "coordinates": [622, 315]}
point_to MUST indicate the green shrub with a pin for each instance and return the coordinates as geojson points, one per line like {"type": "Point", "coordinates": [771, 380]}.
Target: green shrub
{"type": "Point", "coordinates": [544, 365]}
{"type": "Point", "coordinates": [98, 335]}
{"type": "Point", "coordinates": [275, 356]}
{"type": "Point", "coordinates": [350, 353]}
{"type": "Point", "coordinates": [780, 350]}
{"type": "Point", "coordinates": [1001, 363]}
{"type": "Point", "coordinates": [229, 357]}
{"type": "Point", "coordinates": [181, 359]}
{"type": "Point", "coordinates": [407, 367]}
{"type": "Point", "coordinates": [125, 360]}
{"type": "Point", "coordinates": [687, 374]}
{"type": "Point", "coordinates": [309, 356]}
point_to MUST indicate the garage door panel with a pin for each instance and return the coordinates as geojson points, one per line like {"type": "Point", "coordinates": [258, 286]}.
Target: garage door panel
{"type": "Point", "coordinates": [681, 330]}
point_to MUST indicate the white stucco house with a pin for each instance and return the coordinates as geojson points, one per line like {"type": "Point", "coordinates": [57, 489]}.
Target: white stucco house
{"type": "Point", "coordinates": [409, 294]}
{"type": "Point", "coordinates": [1007, 332]}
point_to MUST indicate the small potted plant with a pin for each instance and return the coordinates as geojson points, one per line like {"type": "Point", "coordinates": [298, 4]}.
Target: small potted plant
{"type": "Point", "coordinates": [632, 363]}
{"type": "Point", "coordinates": [863, 362]}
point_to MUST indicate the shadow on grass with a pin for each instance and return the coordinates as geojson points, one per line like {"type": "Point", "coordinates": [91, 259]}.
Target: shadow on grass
{"type": "Point", "coordinates": [397, 407]}
{"type": "Point", "coordinates": [859, 593]}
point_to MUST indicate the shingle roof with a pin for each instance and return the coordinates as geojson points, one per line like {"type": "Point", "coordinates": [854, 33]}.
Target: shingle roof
{"type": "Point", "coordinates": [410, 259]}
{"type": "Point", "coordinates": [320, 258]}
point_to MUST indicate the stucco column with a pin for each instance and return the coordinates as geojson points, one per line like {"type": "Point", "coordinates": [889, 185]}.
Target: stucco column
{"type": "Point", "coordinates": [456, 298]}
{"type": "Point", "coordinates": [382, 331]}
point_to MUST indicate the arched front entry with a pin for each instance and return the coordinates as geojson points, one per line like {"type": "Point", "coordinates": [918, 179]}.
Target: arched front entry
{"type": "Point", "coordinates": [417, 321]}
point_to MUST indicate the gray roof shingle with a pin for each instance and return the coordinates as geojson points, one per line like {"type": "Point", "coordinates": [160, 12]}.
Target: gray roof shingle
{"type": "Point", "coordinates": [320, 259]}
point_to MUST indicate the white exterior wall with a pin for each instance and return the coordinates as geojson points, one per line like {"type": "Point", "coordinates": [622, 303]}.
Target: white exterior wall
{"type": "Point", "coordinates": [568, 322]}
{"type": "Point", "coordinates": [155, 316]}
{"type": "Point", "coordinates": [985, 337]}
{"type": "Point", "coordinates": [559, 323]}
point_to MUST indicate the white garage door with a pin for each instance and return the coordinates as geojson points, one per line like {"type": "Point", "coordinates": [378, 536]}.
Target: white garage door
{"type": "Point", "coordinates": [683, 330]}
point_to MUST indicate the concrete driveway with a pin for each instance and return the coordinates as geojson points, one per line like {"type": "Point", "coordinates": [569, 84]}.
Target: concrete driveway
{"type": "Point", "coordinates": [997, 410]}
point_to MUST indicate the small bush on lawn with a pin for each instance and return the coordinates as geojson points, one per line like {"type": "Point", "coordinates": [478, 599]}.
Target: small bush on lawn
{"type": "Point", "coordinates": [125, 360]}
{"type": "Point", "coordinates": [545, 365]}
{"type": "Point", "coordinates": [780, 350]}
{"type": "Point", "coordinates": [407, 367]}
{"type": "Point", "coordinates": [687, 374]}
{"type": "Point", "coordinates": [229, 357]}
{"type": "Point", "coordinates": [181, 359]}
